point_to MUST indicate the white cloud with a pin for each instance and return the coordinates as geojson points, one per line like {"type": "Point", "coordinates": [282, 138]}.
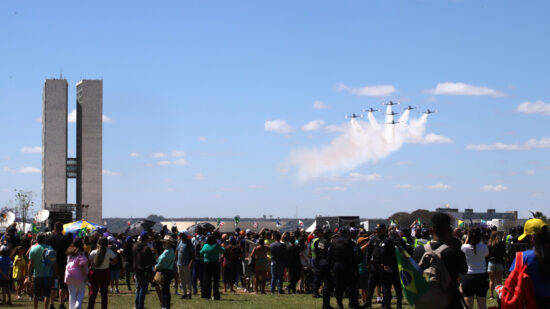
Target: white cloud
{"type": "Point", "coordinates": [370, 91]}
{"type": "Point", "coordinates": [332, 128]}
{"type": "Point", "coordinates": [158, 155]}
{"type": "Point", "coordinates": [23, 170]}
{"type": "Point", "coordinates": [405, 186]}
{"type": "Point", "coordinates": [181, 161]}
{"type": "Point", "coordinates": [164, 163]}
{"type": "Point", "coordinates": [431, 138]}
{"type": "Point", "coordinates": [313, 125]}
{"type": "Point", "coordinates": [178, 153]}
{"type": "Point", "coordinates": [134, 154]}
{"type": "Point", "coordinates": [538, 107]}
{"type": "Point", "coordinates": [531, 172]}
{"type": "Point", "coordinates": [36, 149]}
{"type": "Point", "coordinates": [543, 143]}
{"type": "Point", "coordinates": [110, 173]}
{"type": "Point", "coordinates": [439, 186]}
{"type": "Point", "coordinates": [202, 139]}
{"type": "Point", "coordinates": [450, 88]}
{"type": "Point", "coordinates": [71, 117]}
{"type": "Point", "coordinates": [363, 177]}
{"type": "Point", "coordinates": [329, 189]}
{"type": "Point", "coordinates": [199, 176]}
{"type": "Point", "coordinates": [320, 105]}
{"type": "Point", "coordinates": [494, 188]}
{"type": "Point", "coordinates": [278, 125]}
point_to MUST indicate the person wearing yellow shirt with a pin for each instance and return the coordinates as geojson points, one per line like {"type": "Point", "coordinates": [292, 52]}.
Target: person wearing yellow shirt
{"type": "Point", "coordinates": [19, 270]}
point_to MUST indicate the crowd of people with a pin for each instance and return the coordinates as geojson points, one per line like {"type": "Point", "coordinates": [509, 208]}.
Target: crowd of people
{"type": "Point", "coordinates": [344, 262]}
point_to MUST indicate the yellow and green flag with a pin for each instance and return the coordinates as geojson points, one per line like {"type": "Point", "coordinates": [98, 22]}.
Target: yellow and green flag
{"type": "Point", "coordinates": [413, 282]}
{"type": "Point", "coordinates": [461, 224]}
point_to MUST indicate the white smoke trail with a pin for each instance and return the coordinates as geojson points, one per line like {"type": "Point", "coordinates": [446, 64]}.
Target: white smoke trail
{"type": "Point", "coordinates": [361, 143]}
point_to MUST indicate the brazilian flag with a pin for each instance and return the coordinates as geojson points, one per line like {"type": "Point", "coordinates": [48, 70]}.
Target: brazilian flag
{"type": "Point", "coordinates": [34, 228]}
{"type": "Point", "coordinates": [413, 282]}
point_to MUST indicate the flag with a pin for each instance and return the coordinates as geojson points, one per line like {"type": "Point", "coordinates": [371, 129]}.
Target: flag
{"type": "Point", "coordinates": [129, 223]}
{"type": "Point", "coordinates": [301, 223]}
{"type": "Point", "coordinates": [104, 222]}
{"type": "Point", "coordinates": [278, 224]}
{"type": "Point", "coordinates": [461, 224]}
{"type": "Point", "coordinates": [412, 280]}
{"type": "Point", "coordinates": [419, 222]}
{"type": "Point", "coordinates": [483, 222]}
{"type": "Point", "coordinates": [34, 228]}
{"type": "Point", "coordinates": [82, 232]}
{"type": "Point", "coordinates": [255, 225]}
{"type": "Point", "coordinates": [221, 223]}
{"type": "Point", "coordinates": [392, 223]}
{"type": "Point", "coordinates": [237, 219]}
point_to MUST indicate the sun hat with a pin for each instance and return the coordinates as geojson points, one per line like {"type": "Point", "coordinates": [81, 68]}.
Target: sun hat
{"type": "Point", "coordinates": [169, 240]}
{"type": "Point", "coordinates": [532, 227]}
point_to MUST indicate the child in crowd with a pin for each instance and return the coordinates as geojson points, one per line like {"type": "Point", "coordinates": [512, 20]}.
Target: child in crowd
{"type": "Point", "coordinates": [5, 271]}
{"type": "Point", "coordinates": [19, 270]}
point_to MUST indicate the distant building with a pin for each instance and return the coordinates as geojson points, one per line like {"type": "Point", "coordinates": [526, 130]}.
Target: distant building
{"type": "Point", "coordinates": [471, 217]}
{"type": "Point", "coordinates": [370, 224]}
{"type": "Point", "coordinates": [54, 142]}
{"type": "Point", "coordinates": [87, 166]}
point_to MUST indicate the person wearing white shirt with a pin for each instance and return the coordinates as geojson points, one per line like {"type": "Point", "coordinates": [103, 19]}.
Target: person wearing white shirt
{"type": "Point", "coordinates": [475, 282]}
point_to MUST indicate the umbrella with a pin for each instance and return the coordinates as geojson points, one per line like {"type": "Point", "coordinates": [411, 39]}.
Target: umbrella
{"type": "Point", "coordinates": [139, 226]}
{"type": "Point", "coordinates": [77, 226]}
{"type": "Point", "coordinates": [207, 227]}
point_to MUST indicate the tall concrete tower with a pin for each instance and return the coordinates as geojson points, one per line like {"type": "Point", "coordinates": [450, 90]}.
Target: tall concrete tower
{"type": "Point", "coordinates": [54, 142]}
{"type": "Point", "coordinates": [89, 148]}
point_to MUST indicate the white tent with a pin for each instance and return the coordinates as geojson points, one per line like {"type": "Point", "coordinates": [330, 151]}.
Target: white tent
{"type": "Point", "coordinates": [312, 227]}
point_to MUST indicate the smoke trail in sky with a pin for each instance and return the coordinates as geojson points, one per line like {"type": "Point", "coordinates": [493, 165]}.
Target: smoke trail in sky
{"type": "Point", "coordinates": [362, 142]}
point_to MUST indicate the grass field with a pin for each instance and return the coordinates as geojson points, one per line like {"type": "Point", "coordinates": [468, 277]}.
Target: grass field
{"type": "Point", "coordinates": [229, 301]}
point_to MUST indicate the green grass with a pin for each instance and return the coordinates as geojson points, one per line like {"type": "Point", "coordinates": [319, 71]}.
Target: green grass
{"type": "Point", "coordinates": [228, 301]}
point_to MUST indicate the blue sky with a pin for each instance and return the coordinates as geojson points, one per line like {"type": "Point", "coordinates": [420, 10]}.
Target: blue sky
{"type": "Point", "coordinates": [206, 80]}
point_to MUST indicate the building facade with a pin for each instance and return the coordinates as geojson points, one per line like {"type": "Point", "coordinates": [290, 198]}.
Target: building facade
{"type": "Point", "coordinates": [87, 167]}
{"type": "Point", "coordinates": [54, 142]}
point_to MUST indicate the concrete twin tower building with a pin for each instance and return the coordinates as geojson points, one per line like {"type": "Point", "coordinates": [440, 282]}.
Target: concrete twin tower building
{"type": "Point", "coordinates": [87, 166]}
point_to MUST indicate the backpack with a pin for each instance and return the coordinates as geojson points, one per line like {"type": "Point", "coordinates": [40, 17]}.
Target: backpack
{"type": "Point", "coordinates": [518, 291]}
{"type": "Point", "coordinates": [441, 292]}
{"type": "Point", "coordinates": [49, 256]}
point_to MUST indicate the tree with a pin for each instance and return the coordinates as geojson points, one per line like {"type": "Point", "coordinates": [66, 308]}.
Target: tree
{"type": "Point", "coordinates": [539, 215]}
{"type": "Point", "coordinates": [24, 204]}
{"type": "Point", "coordinates": [155, 218]}
{"type": "Point", "coordinates": [405, 219]}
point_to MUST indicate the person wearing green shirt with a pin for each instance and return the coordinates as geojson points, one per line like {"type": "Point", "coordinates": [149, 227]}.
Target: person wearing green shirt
{"type": "Point", "coordinates": [211, 252]}
{"type": "Point", "coordinates": [165, 265]}
{"type": "Point", "coordinates": [39, 272]}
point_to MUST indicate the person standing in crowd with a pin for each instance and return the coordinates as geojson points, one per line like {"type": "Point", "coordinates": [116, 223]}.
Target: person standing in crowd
{"type": "Point", "coordinates": [211, 252]}
{"type": "Point", "coordinates": [39, 273]}
{"type": "Point", "coordinates": [321, 266]}
{"type": "Point", "coordinates": [497, 253]}
{"type": "Point", "coordinates": [143, 261]}
{"type": "Point", "coordinates": [474, 283]}
{"type": "Point", "coordinates": [261, 264]}
{"type": "Point", "coordinates": [60, 243]}
{"type": "Point", "coordinates": [344, 267]}
{"type": "Point", "coordinates": [363, 280]}
{"type": "Point", "coordinates": [537, 258]}
{"type": "Point", "coordinates": [294, 264]}
{"type": "Point", "coordinates": [231, 262]}
{"type": "Point", "coordinates": [304, 283]}
{"type": "Point", "coordinates": [127, 261]}
{"type": "Point", "coordinates": [6, 265]}
{"type": "Point", "coordinates": [115, 266]}
{"type": "Point", "coordinates": [453, 258]}
{"type": "Point", "coordinates": [19, 270]}
{"type": "Point", "coordinates": [198, 262]}
{"type": "Point", "coordinates": [165, 266]}
{"type": "Point", "coordinates": [317, 275]}
{"type": "Point", "coordinates": [185, 254]}
{"type": "Point", "coordinates": [278, 252]}
{"type": "Point", "coordinates": [76, 273]}
{"type": "Point", "coordinates": [422, 238]}
{"type": "Point", "coordinates": [383, 267]}
{"type": "Point", "coordinates": [99, 274]}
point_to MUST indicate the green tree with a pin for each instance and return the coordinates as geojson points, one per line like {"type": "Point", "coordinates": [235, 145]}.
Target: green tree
{"type": "Point", "coordinates": [24, 205]}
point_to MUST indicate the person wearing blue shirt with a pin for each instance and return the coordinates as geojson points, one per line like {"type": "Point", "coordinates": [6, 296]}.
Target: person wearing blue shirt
{"type": "Point", "coordinates": [185, 253]}
{"type": "Point", "coordinates": [537, 259]}
{"type": "Point", "coordinates": [165, 265]}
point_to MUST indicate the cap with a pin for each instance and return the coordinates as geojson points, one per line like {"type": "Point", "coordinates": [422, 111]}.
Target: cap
{"type": "Point", "coordinates": [169, 240]}
{"type": "Point", "coordinates": [532, 227]}
{"type": "Point", "coordinates": [143, 234]}
{"type": "Point", "coordinates": [185, 232]}
{"type": "Point", "coordinates": [110, 238]}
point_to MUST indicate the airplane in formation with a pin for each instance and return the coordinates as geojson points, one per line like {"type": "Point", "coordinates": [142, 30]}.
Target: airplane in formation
{"type": "Point", "coordinates": [353, 116]}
